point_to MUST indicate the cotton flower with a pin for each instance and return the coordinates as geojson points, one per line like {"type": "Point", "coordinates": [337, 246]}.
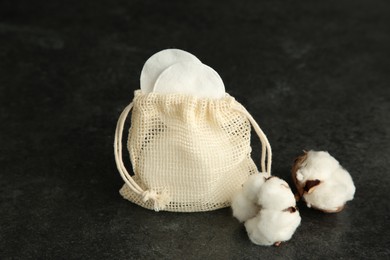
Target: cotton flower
{"type": "Point", "coordinates": [243, 208]}
{"type": "Point", "coordinates": [244, 203]}
{"type": "Point", "coordinates": [271, 227]}
{"type": "Point", "coordinates": [278, 217]}
{"type": "Point", "coordinates": [322, 182]}
{"type": "Point", "coordinates": [267, 206]}
{"type": "Point", "coordinates": [275, 194]}
{"type": "Point", "coordinates": [252, 186]}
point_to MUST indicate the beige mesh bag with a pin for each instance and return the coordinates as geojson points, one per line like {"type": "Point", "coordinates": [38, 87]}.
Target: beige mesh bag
{"type": "Point", "coordinates": [188, 154]}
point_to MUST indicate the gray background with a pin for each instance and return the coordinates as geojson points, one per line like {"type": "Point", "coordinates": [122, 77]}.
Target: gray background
{"type": "Point", "coordinates": [314, 74]}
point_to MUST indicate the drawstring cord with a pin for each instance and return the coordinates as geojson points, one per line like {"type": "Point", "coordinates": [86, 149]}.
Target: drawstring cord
{"type": "Point", "coordinates": [266, 151]}
{"type": "Point", "coordinates": [160, 200]}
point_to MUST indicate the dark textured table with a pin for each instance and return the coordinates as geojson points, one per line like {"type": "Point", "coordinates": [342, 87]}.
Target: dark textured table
{"type": "Point", "coordinates": [315, 75]}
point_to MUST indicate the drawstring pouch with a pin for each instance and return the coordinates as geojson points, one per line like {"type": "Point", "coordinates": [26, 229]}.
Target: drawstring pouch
{"type": "Point", "coordinates": [188, 153]}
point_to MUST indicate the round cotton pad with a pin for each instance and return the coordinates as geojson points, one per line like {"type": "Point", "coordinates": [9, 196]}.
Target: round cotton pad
{"type": "Point", "coordinates": [157, 63]}
{"type": "Point", "coordinates": [190, 78]}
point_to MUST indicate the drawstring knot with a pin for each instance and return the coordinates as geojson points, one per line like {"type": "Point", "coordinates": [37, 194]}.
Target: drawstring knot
{"type": "Point", "coordinates": [159, 199]}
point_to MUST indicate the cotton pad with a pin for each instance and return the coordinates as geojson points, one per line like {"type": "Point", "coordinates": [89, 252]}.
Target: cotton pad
{"type": "Point", "coordinates": [158, 62]}
{"type": "Point", "coordinates": [322, 182]}
{"type": "Point", "coordinates": [190, 78]}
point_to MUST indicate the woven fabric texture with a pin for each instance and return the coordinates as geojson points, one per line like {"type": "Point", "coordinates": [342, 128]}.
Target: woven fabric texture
{"type": "Point", "coordinates": [193, 153]}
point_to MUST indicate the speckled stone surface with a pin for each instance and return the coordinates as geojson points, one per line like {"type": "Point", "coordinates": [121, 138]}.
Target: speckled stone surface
{"type": "Point", "coordinates": [315, 75]}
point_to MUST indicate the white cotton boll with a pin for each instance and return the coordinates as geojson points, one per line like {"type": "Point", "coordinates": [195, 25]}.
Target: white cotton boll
{"type": "Point", "coordinates": [277, 217]}
{"type": "Point", "coordinates": [318, 165]}
{"type": "Point", "coordinates": [322, 181]}
{"type": "Point", "coordinates": [328, 197]}
{"type": "Point", "coordinates": [270, 227]}
{"type": "Point", "coordinates": [331, 195]}
{"type": "Point", "coordinates": [244, 204]}
{"type": "Point", "coordinates": [243, 208]}
{"type": "Point", "coordinates": [275, 194]}
{"type": "Point", "coordinates": [252, 186]}
{"type": "Point", "coordinates": [342, 176]}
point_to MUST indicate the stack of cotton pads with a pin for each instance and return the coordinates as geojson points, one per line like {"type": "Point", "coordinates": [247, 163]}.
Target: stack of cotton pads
{"type": "Point", "coordinates": [176, 71]}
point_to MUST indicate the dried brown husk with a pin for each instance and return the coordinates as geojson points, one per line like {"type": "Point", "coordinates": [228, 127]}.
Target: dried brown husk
{"type": "Point", "coordinates": [295, 167]}
{"type": "Point", "coordinates": [291, 209]}
{"type": "Point", "coordinates": [310, 185]}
